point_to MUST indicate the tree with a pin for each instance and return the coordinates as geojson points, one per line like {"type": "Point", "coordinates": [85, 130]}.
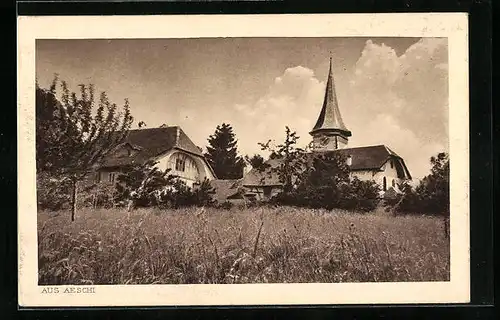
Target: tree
{"type": "Point", "coordinates": [318, 180]}
{"type": "Point", "coordinates": [143, 184]}
{"type": "Point", "coordinates": [71, 139]}
{"type": "Point", "coordinates": [256, 161]}
{"type": "Point", "coordinates": [434, 189]}
{"type": "Point", "coordinates": [431, 196]}
{"type": "Point", "coordinates": [292, 158]}
{"type": "Point", "coordinates": [222, 153]}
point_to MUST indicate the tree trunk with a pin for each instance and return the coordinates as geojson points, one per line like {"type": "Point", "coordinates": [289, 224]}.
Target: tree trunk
{"type": "Point", "coordinates": [73, 199]}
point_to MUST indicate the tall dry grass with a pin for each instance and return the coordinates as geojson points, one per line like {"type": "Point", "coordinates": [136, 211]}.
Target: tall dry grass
{"type": "Point", "coordinates": [239, 246]}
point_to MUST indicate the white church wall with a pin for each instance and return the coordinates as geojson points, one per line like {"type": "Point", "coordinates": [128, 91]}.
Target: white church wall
{"type": "Point", "coordinates": [389, 172]}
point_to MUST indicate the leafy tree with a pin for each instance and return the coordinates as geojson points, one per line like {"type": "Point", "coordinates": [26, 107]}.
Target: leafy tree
{"type": "Point", "coordinates": [431, 196]}
{"type": "Point", "coordinates": [71, 139]}
{"type": "Point", "coordinates": [147, 186]}
{"type": "Point", "coordinates": [292, 158]}
{"type": "Point", "coordinates": [222, 153]}
{"type": "Point", "coordinates": [318, 180]}
{"type": "Point", "coordinates": [256, 161]}
{"type": "Point", "coordinates": [143, 184]}
{"type": "Point", "coordinates": [435, 188]}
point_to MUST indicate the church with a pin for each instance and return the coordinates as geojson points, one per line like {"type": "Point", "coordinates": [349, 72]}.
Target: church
{"type": "Point", "coordinates": [172, 149]}
{"type": "Point", "coordinates": [330, 134]}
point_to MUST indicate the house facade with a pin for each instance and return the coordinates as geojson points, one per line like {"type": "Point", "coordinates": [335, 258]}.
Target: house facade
{"type": "Point", "coordinates": [170, 147]}
{"type": "Point", "coordinates": [330, 134]}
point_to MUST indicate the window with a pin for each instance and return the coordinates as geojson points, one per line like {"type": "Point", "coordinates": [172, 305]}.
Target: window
{"type": "Point", "coordinates": [267, 192]}
{"type": "Point", "coordinates": [392, 164]}
{"type": "Point", "coordinates": [180, 164]}
{"type": "Point", "coordinates": [384, 184]}
{"type": "Point", "coordinates": [111, 177]}
{"type": "Point", "coordinates": [393, 183]}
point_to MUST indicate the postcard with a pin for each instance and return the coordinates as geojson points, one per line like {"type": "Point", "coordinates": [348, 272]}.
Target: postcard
{"type": "Point", "coordinates": [216, 160]}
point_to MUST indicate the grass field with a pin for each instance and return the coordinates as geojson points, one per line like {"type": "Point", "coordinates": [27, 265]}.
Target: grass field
{"type": "Point", "coordinates": [239, 246]}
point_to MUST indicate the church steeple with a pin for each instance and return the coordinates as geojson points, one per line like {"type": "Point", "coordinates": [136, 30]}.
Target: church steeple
{"type": "Point", "coordinates": [330, 132]}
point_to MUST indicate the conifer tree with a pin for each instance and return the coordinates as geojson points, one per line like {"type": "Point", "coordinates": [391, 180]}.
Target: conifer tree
{"type": "Point", "coordinates": [75, 134]}
{"type": "Point", "coordinates": [222, 153]}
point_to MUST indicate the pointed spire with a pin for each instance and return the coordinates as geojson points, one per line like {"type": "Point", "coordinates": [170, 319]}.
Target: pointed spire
{"type": "Point", "coordinates": [329, 117]}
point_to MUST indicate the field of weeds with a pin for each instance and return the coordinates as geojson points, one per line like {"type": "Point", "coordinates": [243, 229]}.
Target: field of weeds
{"type": "Point", "coordinates": [238, 246]}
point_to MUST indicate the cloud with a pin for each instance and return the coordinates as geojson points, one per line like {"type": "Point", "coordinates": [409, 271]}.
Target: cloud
{"type": "Point", "coordinates": [400, 101]}
{"type": "Point", "coordinates": [404, 142]}
{"type": "Point", "coordinates": [293, 99]}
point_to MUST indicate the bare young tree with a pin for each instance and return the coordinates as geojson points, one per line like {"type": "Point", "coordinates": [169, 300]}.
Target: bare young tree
{"type": "Point", "coordinates": [74, 133]}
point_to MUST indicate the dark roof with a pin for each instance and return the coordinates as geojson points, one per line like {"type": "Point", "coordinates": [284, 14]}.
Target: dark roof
{"type": "Point", "coordinates": [225, 189]}
{"type": "Point", "coordinates": [330, 118]}
{"type": "Point", "coordinates": [363, 158]}
{"type": "Point", "coordinates": [146, 144]}
{"type": "Point", "coordinates": [371, 157]}
{"type": "Point", "coordinates": [263, 177]}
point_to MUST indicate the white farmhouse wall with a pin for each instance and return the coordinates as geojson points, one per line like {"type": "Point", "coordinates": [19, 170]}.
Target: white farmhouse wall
{"type": "Point", "coordinates": [196, 170]}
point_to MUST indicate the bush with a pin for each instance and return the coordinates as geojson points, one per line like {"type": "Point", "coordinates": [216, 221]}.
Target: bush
{"type": "Point", "coordinates": [147, 186]}
{"type": "Point", "coordinates": [431, 196]}
{"type": "Point", "coordinates": [326, 184]}
{"type": "Point", "coordinates": [52, 193]}
{"type": "Point", "coordinates": [226, 205]}
{"type": "Point", "coordinates": [98, 195]}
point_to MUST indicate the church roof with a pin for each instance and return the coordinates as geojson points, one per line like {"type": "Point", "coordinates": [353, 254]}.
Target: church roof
{"type": "Point", "coordinates": [363, 158]}
{"type": "Point", "coordinates": [329, 118]}
{"type": "Point", "coordinates": [151, 143]}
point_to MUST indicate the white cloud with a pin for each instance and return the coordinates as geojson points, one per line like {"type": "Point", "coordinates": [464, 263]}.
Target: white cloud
{"type": "Point", "coordinates": [399, 101]}
{"type": "Point", "coordinates": [294, 100]}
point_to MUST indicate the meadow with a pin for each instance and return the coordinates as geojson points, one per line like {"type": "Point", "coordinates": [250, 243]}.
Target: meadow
{"type": "Point", "coordinates": [255, 245]}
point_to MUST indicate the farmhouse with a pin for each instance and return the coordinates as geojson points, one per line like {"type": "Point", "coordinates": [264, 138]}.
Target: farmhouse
{"type": "Point", "coordinates": [378, 163]}
{"type": "Point", "coordinates": [169, 146]}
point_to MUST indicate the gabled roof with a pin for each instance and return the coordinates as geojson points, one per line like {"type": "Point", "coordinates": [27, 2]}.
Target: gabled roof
{"type": "Point", "coordinates": [329, 118]}
{"type": "Point", "coordinates": [151, 143]}
{"type": "Point", "coordinates": [256, 177]}
{"type": "Point", "coordinates": [225, 189]}
{"type": "Point", "coordinates": [363, 158]}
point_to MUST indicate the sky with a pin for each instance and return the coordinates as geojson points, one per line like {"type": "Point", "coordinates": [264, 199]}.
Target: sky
{"type": "Point", "coordinates": [391, 91]}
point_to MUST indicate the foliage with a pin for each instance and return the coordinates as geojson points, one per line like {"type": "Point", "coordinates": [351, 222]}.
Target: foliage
{"type": "Point", "coordinates": [192, 246]}
{"type": "Point", "coordinates": [148, 186]}
{"type": "Point", "coordinates": [97, 195]}
{"type": "Point", "coordinates": [222, 153]}
{"type": "Point", "coordinates": [318, 180]}
{"type": "Point", "coordinates": [70, 139]}
{"type": "Point", "coordinates": [431, 196]}
{"type": "Point", "coordinates": [293, 161]}
{"type": "Point", "coordinates": [256, 161]}
{"type": "Point", "coordinates": [51, 193]}
{"type": "Point", "coordinates": [326, 184]}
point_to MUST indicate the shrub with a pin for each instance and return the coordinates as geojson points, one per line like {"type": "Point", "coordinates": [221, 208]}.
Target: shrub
{"type": "Point", "coordinates": [226, 205]}
{"type": "Point", "coordinates": [326, 184]}
{"type": "Point", "coordinates": [147, 186]}
{"type": "Point", "coordinates": [431, 196]}
{"type": "Point", "coordinates": [52, 193]}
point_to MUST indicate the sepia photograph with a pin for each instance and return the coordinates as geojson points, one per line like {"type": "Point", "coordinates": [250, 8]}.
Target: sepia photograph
{"type": "Point", "coordinates": [243, 159]}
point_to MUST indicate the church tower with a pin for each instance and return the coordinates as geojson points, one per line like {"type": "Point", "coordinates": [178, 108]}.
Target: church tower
{"type": "Point", "coordinates": [330, 133]}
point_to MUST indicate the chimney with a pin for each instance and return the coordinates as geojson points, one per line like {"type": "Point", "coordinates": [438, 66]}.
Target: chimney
{"type": "Point", "coordinates": [349, 160]}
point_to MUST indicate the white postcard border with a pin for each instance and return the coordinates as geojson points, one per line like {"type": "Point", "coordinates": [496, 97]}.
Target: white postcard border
{"type": "Point", "coordinates": [453, 26]}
